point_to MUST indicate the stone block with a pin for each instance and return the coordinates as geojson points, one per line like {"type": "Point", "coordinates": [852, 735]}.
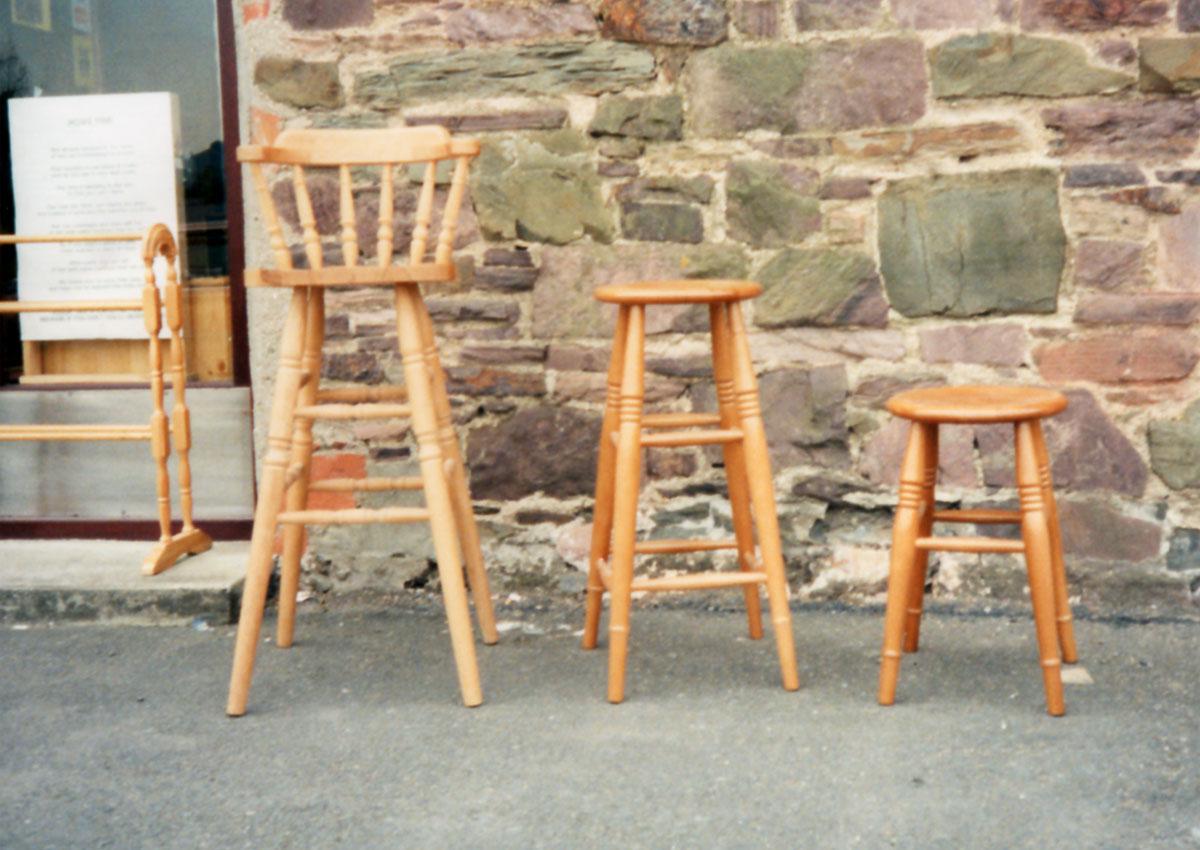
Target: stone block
{"type": "Point", "coordinates": [883, 452]}
{"type": "Point", "coordinates": [1005, 64]}
{"type": "Point", "coordinates": [1169, 65]}
{"type": "Point", "coordinates": [526, 190]}
{"type": "Point", "coordinates": [990, 345]}
{"type": "Point", "coordinates": [1091, 15]}
{"type": "Point", "coordinates": [840, 85]}
{"type": "Point", "coordinates": [489, 381]}
{"type": "Point", "coordinates": [1179, 249]}
{"type": "Point", "coordinates": [1118, 358]}
{"type": "Point", "coordinates": [1183, 551]}
{"type": "Point", "coordinates": [662, 222]}
{"type": "Point", "coordinates": [668, 189]}
{"type": "Point", "coordinates": [655, 118]}
{"type": "Point", "coordinates": [1103, 174]}
{"type": "Point", "coordinates": [962, 141]}
{"type": "Point", "coordinates": [583, 67]}
{"type": "Point", "coordinates": [690, 22]}
{"type": "Point", "coordinates": [1151, 308]}
{"type": "Point", "coordinates": [328, 14]}
{"type": "Point", "coordinates": [837, 14]}
{"type": "Point", "coordinates": [820, 287]}
{"type": "Point", "coordinates": [1138, 130]}
{"type": "Point", "coordinates": [972, 244]}
{"type": "Point", "coordinates": [1188, 16]}
{"type": "Point", "coordinates": [503, 467]}
{"type": "Point", "coordinates": [1094, 529]}
{"type": "Point", "coordinates": [757, 19]}
{"type": "Point", "coordinates": [472, 24]}
{"type": "Point", "coordinates": [563, 304]}
{"type": "Point", "coordinates": [491, 122]}
{"type": "Point", "coordinates": [1175, 449]}
{"type": "Point", "coordinates": [942, 14]}
{"type": "Point", "coordinates": [769, 204]}
{"type": "Point", "coordinates": [845, 189]}
{"type": "Point", "coordinates": [1107, 264]}
{"type": "Point", "coordinates": [304, 85]}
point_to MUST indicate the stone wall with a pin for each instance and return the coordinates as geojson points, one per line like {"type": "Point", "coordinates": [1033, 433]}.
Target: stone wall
{"type": "Point", "coordinates": [931, 191]}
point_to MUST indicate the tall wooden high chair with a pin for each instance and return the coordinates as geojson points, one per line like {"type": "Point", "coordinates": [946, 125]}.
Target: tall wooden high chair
{"type": "Point", "coordinates": [917, 512]}
{"type": "Point", "coordinates": [359, 158]}
{"type": "Point", "coordinates": [162, 432]}
{"type": "Point", "coordinates": [738, 430]}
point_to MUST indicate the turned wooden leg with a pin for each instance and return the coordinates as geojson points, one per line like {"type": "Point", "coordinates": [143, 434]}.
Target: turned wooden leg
{"type": "Point", "coordinates": [735, 461]}
{"type": "Point", "coordinates": [1039, 559]}
{"type": "Point", "coordinates": [299, 470]}
{"type": "Point", "coordinates": [916, 593]}
{"type": "Point", "coordinates": [606, 468]}
{"type": "Point", "coordinates": [270, 495]}
{"type": "Point", "coordinates": [910, 518]}
{"type": "Point", "coordinates": [464, 511]}
{"type": "Point", "coordinates": [628, 479]}
{"type": "Point", "coordinates": [1062, 604]}
{"type": "Point", "coordinates": [762, 496]}
{"type": "Point", "coordinates": [437, 492]}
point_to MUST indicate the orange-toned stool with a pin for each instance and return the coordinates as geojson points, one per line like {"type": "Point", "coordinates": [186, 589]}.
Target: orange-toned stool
{"type": "Point", "coordinates": [737, 427]}
{"type": "Point", "coordinates": [1041, 541]}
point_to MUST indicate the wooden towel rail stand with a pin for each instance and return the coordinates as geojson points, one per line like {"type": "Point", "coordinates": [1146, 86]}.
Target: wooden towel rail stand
{"type": "Point", "coordinates": [161, 431]}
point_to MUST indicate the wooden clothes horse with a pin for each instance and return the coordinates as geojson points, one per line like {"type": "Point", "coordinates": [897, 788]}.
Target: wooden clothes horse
{"type": "Point", "coordinates": [157, 242]}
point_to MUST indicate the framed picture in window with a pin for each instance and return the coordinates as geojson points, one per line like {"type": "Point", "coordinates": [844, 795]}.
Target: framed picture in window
{"type": "Point", "coordinates": [81, 15]}
{"type": "Point", "coordinates": [85, 62]}
{"type": "Point", "coordinates": [34, 14]}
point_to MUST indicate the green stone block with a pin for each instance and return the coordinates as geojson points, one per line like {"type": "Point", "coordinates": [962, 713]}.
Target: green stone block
{"type": "Point", "coordinates": [653, 118]}
{"type": "Point", "coordinates": [1169, 65]}
{"type": "Point", "coordinates": [1002, 64]}
{"type": "Point", "coordinates": [1175, 449]}
{"type": "Point", "coordinates": [764, 208]}
{"type": "Point", "coordinates": [967, 245]}
{"type": "Point", "coordinates": [819, 287]}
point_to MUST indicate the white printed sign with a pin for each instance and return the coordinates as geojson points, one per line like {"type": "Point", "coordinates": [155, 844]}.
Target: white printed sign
{"type": "Point", "coordinates": [89, 165]}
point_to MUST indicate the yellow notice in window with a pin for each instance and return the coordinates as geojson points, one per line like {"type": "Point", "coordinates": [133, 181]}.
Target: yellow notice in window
{"type": "Point", "coordinates": [32, 13]}
{"type": "Point", "coordinates": [85, 62]}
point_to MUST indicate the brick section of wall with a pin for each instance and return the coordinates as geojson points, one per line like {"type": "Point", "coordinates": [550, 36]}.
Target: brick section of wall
{"type": "Point", "coordinates": [934, 192]}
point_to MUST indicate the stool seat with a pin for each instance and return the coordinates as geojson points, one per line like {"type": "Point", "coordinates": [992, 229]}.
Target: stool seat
{"type": "Point", "coordinates": [678, 292]}
{"type": "Point", "coordinates": [975, 404]}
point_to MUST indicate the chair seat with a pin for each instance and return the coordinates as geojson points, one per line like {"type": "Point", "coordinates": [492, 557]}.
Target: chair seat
{"type": "Point", "coordinates": [976, 404]}
{"type": "Point", "coordinates": [678, 291]}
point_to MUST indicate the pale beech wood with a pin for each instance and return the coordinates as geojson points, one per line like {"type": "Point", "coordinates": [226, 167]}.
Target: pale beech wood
{"type": "Point", "coordinates": [681, 420]}
{"type": "Point", "coordinates": [299, 400]}
{"type": "Point", "coordinates": [762, 495]}
{"type": "Point", "coordinates": [163, 430]}
{"type": "Point", "coordinates": [437, 492]}
{"type": "Point", "coordinates": [916, 592]}
{"type": "Point", "coordinates": [299, 470]}
{"type": "Point", "coordinates": [31, 353]}
{"type": "Point", "coordinates": [1041, 537]}
{"type": "Point", "coordinates": [362, 395]}
{"type": "Point", "coordinates": [606, 465]}
{"type": "Point", "coordinates": [692, 438]}
{"type": "Point", "coordinates": [271, 485]}
{"type": "Point", "coordinates": [1039, 560]}
{"type": "Point", "coordinates": [735, 462]}
{"type": "Point", "coordinates": [663, 547]}
{"type": "Point", "coordinates": [969, 544]}
{"type": "Point", "coordinates": [1062, 604]}
{"type": "Point", "coordinates": [979, 516]}
{"type": "Point", "coordinates": [354, 411]}
{"type": "Point", "coordinates": [976, 404]}
{"type": "Point", "coordinates": [456, 473]}
{"type": "Point", "coordinates": [701, 581]}
{"type": "Point", "coordinates": [349, 231]}
{"type": "Point", "coordinates": [678, 291]}
{"type": "Point", "coordinates": [355, 276]}
{"type": "Point", "coordinates": [354, 516]}
{"type": "Point", "coordinates": [364, 485]}
{"type": "Point", "coordinates": [10, 308]}
{"type": "Point", "coordinates": [75, 433]}
{"type": "Point", "coordinates": [628, 479]}
{"type": "Point", "coordinates": [905, 530]}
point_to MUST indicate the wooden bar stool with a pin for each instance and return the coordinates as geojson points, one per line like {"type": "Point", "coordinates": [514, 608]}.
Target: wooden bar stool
{"type": "Point", "coordinates": [738, 430]}
{"type": "Point", "coordinates": [364, 161]}
{"type": "Point", "coordinates": [1041, 541]}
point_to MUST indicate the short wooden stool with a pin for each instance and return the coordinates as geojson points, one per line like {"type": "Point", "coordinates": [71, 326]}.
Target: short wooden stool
{"type": "Point", "coordinates": [912, 535]}
{"type": "Point", "coordinates": [737, 428]}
